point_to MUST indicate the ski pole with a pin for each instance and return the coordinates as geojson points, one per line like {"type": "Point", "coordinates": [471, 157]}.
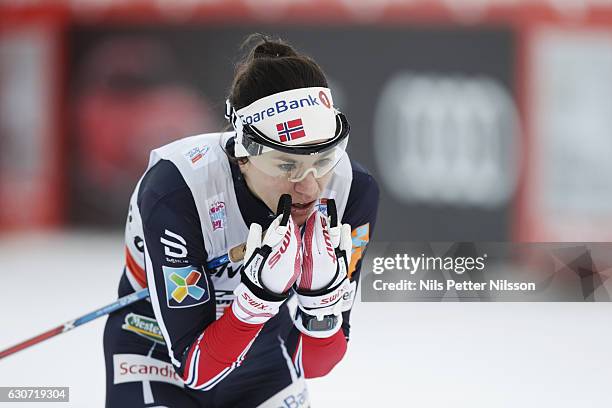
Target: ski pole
{"type": "Point", "coordinates": [116, 305]}
{"type": "Point", "coordinates": [235, 254]}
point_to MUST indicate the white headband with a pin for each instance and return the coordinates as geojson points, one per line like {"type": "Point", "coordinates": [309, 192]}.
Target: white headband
{"type": "Point", "coordinates": [294, 117]}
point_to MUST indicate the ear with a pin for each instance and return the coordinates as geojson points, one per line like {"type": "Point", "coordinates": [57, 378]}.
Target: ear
{"type": "Point", "coordinates": [243, 164]}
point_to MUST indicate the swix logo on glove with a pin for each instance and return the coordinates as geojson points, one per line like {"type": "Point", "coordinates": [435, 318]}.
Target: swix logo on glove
{"type": "Point", "coordinates": [328, 245]}
{"type": "Point", "coordinates": [277, 255]}
{"type": "Point", "coordinates": [321, 265]}
{"type": "Point", "coordinates": [331, 299]}
{"type": "Point", "coordinates": [254, 303]}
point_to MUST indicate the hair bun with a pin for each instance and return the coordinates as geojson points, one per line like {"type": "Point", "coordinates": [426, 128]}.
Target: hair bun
{"type": "Point", "coordinates": [268, 66]}
{"type": "Point", "coordinates": [273, 49]}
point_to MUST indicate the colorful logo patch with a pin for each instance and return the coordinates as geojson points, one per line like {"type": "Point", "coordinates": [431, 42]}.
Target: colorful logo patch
{"type": "Point", "coordinates": [185, 287]}
{"type": "Point", "coordinates": [293, 129]}
{"type": "Point", "coordinates": [217, 215]}
{"type": "Point", "coordinates": [143, 326]}
{"type": "Point", "coordinates": [360, 237]}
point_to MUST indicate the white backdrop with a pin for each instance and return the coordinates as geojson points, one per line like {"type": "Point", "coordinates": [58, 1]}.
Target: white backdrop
{"type": "Point", "coordinates": [400, 354]}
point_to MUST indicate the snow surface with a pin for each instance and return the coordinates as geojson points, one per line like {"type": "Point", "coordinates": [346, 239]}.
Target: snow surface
{"type": "Point", "coordinates": [400, 354]}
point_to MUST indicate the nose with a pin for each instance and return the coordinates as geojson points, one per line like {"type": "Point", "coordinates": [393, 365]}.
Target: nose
{"type": "Point", "coordinates": [308, 186]}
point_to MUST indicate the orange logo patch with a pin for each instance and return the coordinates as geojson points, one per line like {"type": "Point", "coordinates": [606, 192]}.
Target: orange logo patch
{"type": "Point", "coordinates": [361, 237]}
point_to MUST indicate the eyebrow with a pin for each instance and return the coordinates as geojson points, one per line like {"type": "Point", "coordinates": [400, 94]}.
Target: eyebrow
{"type": "Point", "coordinates": [286, 159]}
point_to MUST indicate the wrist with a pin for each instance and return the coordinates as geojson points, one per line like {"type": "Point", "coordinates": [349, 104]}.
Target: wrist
{"type": "Point", "coordinates": [255, 307]}
{"type": "Point", "coordinates": [328, 301]}
{"type": "Point", "coordinates": [322, 326]}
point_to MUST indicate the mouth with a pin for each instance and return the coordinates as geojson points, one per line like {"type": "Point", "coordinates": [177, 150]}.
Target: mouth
{"type": "Point", "coordinates": [301, 208]}
{"type": "Point", "coordinates": [303, 205]}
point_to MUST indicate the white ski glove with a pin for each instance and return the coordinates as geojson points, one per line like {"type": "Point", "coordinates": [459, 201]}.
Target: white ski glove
{"type": "Point", "coordinates": [323, 288]}
{"type": "Point", "coordinates": [271, 268]}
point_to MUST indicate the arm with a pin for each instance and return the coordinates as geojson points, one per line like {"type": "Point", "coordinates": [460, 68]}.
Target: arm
{"type": "Point", "coordinates": [317, 356]}
{"type": "Point", "coordinates": [203, 350]}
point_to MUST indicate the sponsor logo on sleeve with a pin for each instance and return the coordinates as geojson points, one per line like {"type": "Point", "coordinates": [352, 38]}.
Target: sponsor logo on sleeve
{"type": "Point", "coordinates": [174, 246]}
{"type": "Point", "coordinates": [143, 326]}
{"type": "Point", "coordinates": [136, 368]}
{"type": "Point", "coordinates": [185, 287]}
{"type": "Point", "coordinates": [360, 237]}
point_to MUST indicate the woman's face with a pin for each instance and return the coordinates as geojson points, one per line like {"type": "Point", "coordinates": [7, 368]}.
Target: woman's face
{"type": "Point", "coordinates": [304, 193]}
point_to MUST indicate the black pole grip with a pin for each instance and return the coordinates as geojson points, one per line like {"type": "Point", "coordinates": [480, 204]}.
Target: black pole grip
{"type": "Point", "coordinates": [284, 208]}
{"type": "Point", "coordinates": [332, 213]}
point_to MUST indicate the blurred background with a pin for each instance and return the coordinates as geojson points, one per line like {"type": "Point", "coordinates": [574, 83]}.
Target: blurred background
{"type": "Point", "coordinates": [482, 120]}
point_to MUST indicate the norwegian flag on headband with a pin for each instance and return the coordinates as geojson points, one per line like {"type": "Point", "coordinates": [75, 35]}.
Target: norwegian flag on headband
{"type": "Point", "coordinates": [293, 129]}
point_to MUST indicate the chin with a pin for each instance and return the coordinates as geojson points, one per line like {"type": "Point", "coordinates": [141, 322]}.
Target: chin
{"type": "Point", "coordinates": [300, 220]}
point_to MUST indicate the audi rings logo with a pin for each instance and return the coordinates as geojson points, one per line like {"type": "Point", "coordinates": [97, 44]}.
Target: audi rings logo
{"type": "Point", "coordinates": [447, 140]}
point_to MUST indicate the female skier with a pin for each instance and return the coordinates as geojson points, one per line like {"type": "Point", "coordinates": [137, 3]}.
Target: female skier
{"type": "Point", "coordinates": [223, 228]}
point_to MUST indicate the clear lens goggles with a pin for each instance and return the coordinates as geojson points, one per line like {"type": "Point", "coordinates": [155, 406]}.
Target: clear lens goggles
{"type": "Point", "coordinates": [295, 167]}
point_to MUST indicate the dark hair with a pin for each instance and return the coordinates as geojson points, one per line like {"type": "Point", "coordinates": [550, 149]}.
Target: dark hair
{"type": "Point", "coordinates": [271, 66]}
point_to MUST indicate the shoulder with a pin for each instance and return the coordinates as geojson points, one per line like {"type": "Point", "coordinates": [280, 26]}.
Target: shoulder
{"type": "Point", "coordinates": [160, 180]}
{"type": "Point", "coordinates": [164, 185]}
{"type": "Point", "coordinates": [364, 187]}
{"type": "Point", "coordinates": [362, 202]}
{"type": "Point", "coordinates": [362, 178]}
{"type": "Point", "coordinates": [192, 154]}
{"type": "Point", "coordinates": [178, 167]}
